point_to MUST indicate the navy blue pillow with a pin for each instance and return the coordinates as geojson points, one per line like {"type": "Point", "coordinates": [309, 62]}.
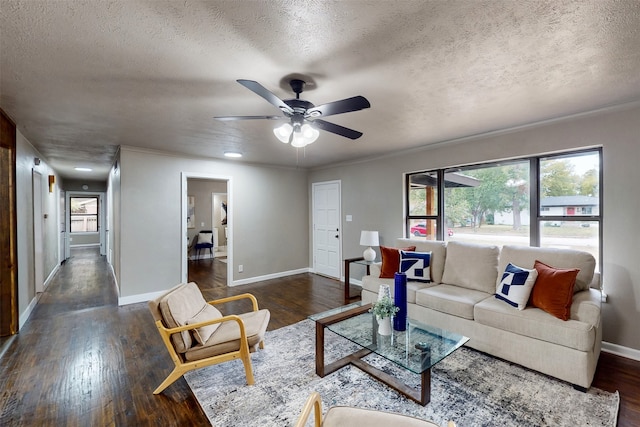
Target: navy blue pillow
{"type": "Point", "coordinates": [416, 265]}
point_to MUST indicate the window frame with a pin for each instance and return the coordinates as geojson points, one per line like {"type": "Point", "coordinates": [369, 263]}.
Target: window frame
{"type": "Point", "coordinates": [535, 209]}
{"type": "Point", "coordinates": [97, 214]}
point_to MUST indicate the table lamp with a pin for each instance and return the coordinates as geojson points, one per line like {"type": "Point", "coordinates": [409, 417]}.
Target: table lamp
{"type": "Point", "coordinates": [369, 238]}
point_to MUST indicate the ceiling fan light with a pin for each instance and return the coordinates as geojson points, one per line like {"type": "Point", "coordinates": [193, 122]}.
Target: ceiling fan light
{"type": "Point", "coordinates": [283, 132]}
{"type": "Point", "coordinates": [309, 133]}
{"type": "Point", "coordinates": [298, 140]}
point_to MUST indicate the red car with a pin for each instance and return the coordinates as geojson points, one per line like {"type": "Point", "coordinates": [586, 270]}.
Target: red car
{"type": "Point", "coordinates": [420, 230]}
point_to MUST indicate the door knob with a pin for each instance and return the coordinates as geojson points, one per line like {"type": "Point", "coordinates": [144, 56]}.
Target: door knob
{"type": "Point", "coordinates": [337, 236]}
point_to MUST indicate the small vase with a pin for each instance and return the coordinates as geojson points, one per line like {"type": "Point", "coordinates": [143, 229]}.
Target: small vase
{"type": "Point", "coordinates": [384, 291]}
{"type": "Point", "coordinates": [384, 326]}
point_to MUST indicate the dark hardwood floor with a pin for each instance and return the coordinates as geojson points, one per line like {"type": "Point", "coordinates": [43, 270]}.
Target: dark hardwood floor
{"type": "Point", "coordinates": [81, 360]}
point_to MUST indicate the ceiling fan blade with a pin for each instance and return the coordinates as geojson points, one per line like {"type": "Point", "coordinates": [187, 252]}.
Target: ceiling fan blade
{"type": "Point", "coordinates": [229, 118]}
{"type": "Point", "coordinates": [337, 129]}
{"type": "Point", "coordinates": [258, 89]}
{"type": "Point", "coordinates": [338, 107]}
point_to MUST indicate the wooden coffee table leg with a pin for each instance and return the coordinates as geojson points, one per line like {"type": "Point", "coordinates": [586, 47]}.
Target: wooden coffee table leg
{"type": "Point", "coordinates": [425, 387]}
{"type": "Point", "coordinates": [319, 349]}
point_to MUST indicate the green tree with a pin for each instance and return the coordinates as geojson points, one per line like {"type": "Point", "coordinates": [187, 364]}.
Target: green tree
{"type": "Point", "coordinates": [489, 195]}
{"type": "Point", "coordinates": [589, 185]}
{"type": "Point", "coordinates": [517, 191]}
{"type": "Point", "coordinates": [558, 178]}
{"type": "Point", "coordinates": [456, 208]}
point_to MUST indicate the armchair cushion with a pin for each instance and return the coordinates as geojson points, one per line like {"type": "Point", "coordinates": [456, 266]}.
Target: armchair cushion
{"type": "Point", "coordinates": [226, 338]}
{"type": "Point", "coordinates": [203, 333]}
{"type": "Point", "coordinates": [349, 416]}
{"type": "Point", "coordinates": [177, 308]}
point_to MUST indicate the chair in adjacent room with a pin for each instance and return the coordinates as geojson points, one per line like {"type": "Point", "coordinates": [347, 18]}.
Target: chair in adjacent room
{"type": "Point", "coordinates": [204, 240]}
{"type": "Point", "coordinates": [196, 334]}
{"type": "Point", "coordinates": [350, 416]}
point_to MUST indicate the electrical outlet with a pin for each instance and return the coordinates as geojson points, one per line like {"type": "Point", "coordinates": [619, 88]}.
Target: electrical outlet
{"type": "Point", "coordinates": [240, 268]}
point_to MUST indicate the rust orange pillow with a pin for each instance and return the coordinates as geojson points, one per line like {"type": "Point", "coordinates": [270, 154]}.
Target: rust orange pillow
{"type": "Point", "coordinates": [553, 290]}
{"type": "Point", "coordinates": [391, 261]}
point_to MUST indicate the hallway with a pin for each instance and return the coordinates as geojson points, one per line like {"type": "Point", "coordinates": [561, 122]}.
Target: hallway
{"type": "Point", "coordinates": [80, 360]}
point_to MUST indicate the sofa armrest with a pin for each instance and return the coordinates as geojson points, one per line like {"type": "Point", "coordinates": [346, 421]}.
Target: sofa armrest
{"type": "Point", "coordinates": [586, 307]}
{"type": "Point", "coordinates": [374, 269]}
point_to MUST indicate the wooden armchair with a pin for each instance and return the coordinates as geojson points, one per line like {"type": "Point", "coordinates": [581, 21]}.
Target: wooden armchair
{"type": "Point", "coordinates": [196, 334]}
{"type": "Point", "coordinates": [348, 416]}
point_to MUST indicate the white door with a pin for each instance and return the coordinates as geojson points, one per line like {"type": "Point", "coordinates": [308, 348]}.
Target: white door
{"type": "Point", "coordinates": [38, 241]}
{"type": "Point", "coordinates": [326, 228]}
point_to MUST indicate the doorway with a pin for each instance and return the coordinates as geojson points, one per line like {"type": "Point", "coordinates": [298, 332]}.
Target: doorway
{"type": "Point", "coordinates": [327, 235]}
{"type": "Point", "coordinates": [202, 197]}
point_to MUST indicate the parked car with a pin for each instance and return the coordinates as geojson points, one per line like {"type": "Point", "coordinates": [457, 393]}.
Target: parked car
{"type": "Point", "coordinates": [420, 230]}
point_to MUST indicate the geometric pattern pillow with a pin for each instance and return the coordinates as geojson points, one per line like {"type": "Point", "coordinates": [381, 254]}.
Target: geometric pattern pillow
{"type": "Point", "coordinates": [516, 285]}
{"type": "Point", "coordinates": [416, 265]}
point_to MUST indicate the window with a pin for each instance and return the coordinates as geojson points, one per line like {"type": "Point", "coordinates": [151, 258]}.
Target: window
{"type": "Point", "coordinates": [570, 190]}
{"type": "Point", "coordinates": [422, 205]}
{"type": "Point", "coordinates": [84, 214]}
{"type": "Point", "coordinates": [489, 203]}
{"type": "Point", "coordinates": [549, 201]}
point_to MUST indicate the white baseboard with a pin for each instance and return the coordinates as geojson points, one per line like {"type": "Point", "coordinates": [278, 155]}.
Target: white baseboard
{"type": "Point", "coordinates": [53, 273]}
{"type": "Point", "coordinates": [25, 315]}
{"type": "Point", "coordinates": [269, 276]}
{"type": "Point", "coordinates": [134, 299]}
{"type": "Point", "coordinates": [618, 350]}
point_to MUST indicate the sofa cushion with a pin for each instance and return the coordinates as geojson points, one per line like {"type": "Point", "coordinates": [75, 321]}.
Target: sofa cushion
{"type": "Point", "coordinates": [536, 323]}
{"type": "Point", "coordinates": [416, 265]}
{"type": "Point", "coordinates": [207, 313]}
{"type": "Point", "coordinates": [372, 284]}
{"type": "Point", "coordinates": [515, 286]}
{"type": "Point", "coordinates": [438, 251]}
{"type": "Point", "coordinates": [471, 266]}
{"type": "Point", "coordinates": [391, 260]}
{"type": "Point", "coordinates": [525, 256]}
{"type": "Point", "coordinates": [177, 307]}
{"type": "Point", "coordinates": [553, 291]}
{"type": "Point", "coordinates": [226, 338]}
{"type": "Point", "coordinates": [451, 299]}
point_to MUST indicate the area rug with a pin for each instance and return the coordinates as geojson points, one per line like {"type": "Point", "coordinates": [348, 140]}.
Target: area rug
{"type": "Point", "coordinates": [468, 387]}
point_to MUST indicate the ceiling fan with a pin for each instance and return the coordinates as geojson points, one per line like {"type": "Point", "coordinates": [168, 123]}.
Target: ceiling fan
{"type": "Point", "coordinates": [304, 117]}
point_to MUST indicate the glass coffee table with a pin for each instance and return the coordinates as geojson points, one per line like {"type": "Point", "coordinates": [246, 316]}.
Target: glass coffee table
{"type": "Point", "coordinates": [417, 349]}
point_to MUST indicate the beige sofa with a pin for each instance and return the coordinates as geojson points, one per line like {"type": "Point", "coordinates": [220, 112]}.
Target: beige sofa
{"type": "Point", "coordinates": [460, 298]}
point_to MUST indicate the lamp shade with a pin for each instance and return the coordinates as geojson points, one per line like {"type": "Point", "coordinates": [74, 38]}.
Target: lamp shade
{"type": "Point", "coordinates": [369, 238]}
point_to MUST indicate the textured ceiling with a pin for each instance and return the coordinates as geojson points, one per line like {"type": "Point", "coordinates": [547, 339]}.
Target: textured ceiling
{"type": "Point", "coordinates": [81, 78]}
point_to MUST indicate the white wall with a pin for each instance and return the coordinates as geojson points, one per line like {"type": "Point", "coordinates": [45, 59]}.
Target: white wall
{"type": "Point", "coordinates": [372, 192]}
{"type": "Point", "coordinates": [270, 223]}
{"type": "Point", "coordinates": [25, 154]}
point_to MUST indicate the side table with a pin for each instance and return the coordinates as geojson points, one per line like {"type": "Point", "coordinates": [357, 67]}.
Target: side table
{"type": "Point", "coordinates": [347, 265]}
